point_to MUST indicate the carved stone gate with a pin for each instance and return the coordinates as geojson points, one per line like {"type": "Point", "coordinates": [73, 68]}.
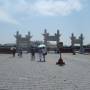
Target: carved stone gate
{"type": "Point", "coordinates": [23, 42]}
{"type": "Point", "coordinates": [48, 37]}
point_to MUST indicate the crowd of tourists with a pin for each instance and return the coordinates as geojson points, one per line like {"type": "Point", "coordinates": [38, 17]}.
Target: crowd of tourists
{"type": "Point", "coordinates": [42, 52]}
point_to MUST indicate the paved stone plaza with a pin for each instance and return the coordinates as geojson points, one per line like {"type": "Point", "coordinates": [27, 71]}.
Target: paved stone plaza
{"type": "Point", "coordinates": [24, 74]}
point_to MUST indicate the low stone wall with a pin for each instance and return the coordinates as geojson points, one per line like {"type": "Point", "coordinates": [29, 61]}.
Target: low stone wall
{"type": "Point", "coordinates": [87, 50]}
{"type": "Point", "coordinates": [66, 50]}
{"type": "Point", "coordinates": [5, 51]}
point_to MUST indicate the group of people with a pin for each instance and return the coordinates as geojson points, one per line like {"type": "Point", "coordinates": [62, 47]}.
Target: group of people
{"type": "Point", "coordinates": [42, 52]}
{"type": "Point", "coordinates": [14, 52]}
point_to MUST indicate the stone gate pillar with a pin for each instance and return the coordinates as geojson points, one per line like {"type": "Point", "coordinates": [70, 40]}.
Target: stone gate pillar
{"type": "Point", "coordinates": [17, 36]}
{"type": "Point", "coordinates": [72, 40]}
{"type": "Point", "coordinates": [45, 37]}
{"type": "Point", "coordinates": [28, 36]}
{"type": "Point", "coordinates": [58, 36]}
{"type": "Point", "coordinates": [81, 43]}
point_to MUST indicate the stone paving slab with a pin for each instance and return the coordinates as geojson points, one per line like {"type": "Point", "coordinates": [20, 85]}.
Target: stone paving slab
{"type": "Point", "coordinates": [26, 74]}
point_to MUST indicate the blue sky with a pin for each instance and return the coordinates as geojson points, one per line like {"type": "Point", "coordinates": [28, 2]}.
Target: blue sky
{"type": "Point", "coordinates": [69, 16]}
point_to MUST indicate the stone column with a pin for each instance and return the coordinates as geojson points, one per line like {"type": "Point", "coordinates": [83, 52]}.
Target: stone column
{"type": "Point", "coordinates": [45, 37]}
{"type": "Point", "coordinates": [17, 36]}
{"type": "Point", "coordinates": [73, 38]}
{"type": "Point", "coordinates": [29, 40]}
{"type": "Point", "coordinates": [81, 43]}
{"type": "Point", "coordinates": [58, 36]}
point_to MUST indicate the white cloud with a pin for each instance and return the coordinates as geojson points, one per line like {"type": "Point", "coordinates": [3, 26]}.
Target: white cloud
{"type": "Point", "coordinates": [44, 7]}
{"type": "Point", "coordinates": [19, 6]}
{"type": "Point", "coordinates": [11, 8]}
{"type": "Point", "coordinates": [5, 17]}
{"type": "Point", "coordinates": [56, 7]}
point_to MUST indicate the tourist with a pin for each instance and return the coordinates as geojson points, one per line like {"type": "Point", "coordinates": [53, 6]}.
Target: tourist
{"type": "Point", "coordinates": [32, 50]}
{"type": "Point", "coordinates": [44, 53]}
{"type": "Point", "coordinates": [14, 52]}
{"type": "Point", "coordinates": [40, 54]}
{"type": "Point", "coordinates": [20, 52]}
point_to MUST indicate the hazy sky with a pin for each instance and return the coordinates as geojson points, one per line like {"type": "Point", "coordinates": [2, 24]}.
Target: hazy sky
{"type": "Point", "coordinates": [69, 16]}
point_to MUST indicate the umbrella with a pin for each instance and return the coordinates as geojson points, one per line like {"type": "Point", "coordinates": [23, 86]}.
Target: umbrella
{"type": "Point", "coordinates": [12, 48]}
{"type": "Point", "coordinates": [41, 46]}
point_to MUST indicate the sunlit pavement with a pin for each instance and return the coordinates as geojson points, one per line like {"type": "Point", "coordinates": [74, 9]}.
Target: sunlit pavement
{"type": "Point", "coordinates": [22, 73]}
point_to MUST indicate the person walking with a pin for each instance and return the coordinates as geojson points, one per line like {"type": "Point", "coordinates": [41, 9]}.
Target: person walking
{"type": "Point", "coordinates": [20, 52]}
{"type": "Point", "coordinates": [32, 50]}
{"type": "Point", "coordinates": [44, 53]}
{"type": "Point", "coordinates": [40, 54]}
{"type": "Point", "coordinates": [13, 52]}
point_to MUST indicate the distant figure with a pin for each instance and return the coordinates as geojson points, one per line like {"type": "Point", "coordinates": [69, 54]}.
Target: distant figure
{"type": "Point", "coordinates": [73, 51]}
{"type": "Point", "coordinates": [14, 52]}
{"type": "Point", "coordinates": [20, 52]}
{"type": "Point", "coordinates": [42, 53]}
{"type": "Point", "coordinates": [32, 53]}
